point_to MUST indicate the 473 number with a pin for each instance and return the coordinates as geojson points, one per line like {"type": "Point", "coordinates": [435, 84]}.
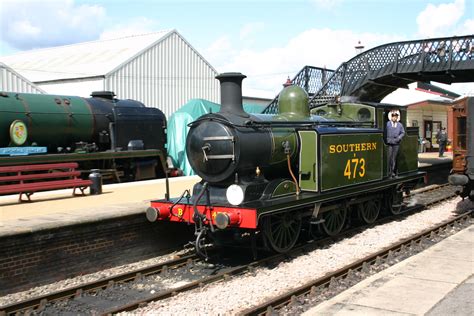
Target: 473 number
{"type": "Point", "coordinates": [355, 167]}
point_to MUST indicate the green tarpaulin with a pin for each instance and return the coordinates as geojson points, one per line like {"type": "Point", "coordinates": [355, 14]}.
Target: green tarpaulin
{"type": "Point", "coordinates": [178, 128]}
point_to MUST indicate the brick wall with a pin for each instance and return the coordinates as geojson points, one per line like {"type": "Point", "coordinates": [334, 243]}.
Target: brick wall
{"type": "Point", "coordinates": [33, 259]}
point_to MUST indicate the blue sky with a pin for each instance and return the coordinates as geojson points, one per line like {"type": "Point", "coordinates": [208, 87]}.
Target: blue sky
{"type": "Point", "coordinates": [267, 40]}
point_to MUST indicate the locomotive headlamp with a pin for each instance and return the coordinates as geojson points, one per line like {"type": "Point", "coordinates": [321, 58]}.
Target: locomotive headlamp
{"type": "Point", "coordinates": [235, 194]}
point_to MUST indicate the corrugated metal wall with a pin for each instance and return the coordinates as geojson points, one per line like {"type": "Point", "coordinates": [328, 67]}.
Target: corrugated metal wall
{"type": "Point", "coordinates": [166, 76]}
{"type": "Point", "coordinates": [13, 82]}
{"type": "Point", "coordinates": [76, 88]}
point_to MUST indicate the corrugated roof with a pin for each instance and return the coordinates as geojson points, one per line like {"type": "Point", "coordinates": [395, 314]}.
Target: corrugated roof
{"type": "Point", "coordinates": [82, 60]}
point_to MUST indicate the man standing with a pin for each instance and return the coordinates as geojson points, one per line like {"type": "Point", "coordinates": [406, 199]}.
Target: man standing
{"type": "Point", "coordinates": [395, 133]}
{"type": "Point", "coordinates": [442, 138]}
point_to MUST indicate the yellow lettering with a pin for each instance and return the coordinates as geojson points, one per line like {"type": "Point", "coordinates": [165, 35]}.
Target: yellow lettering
{"type": "Point", "coordinates": [354, 167]}
{"type": "Point", "coordinates": [356, 162]}
{"type": "Point", "coordinates": [352, 147]}
{"type": "Point", "coordinates": [362, 168]}
{"type": "Point", "coordinates": [347, 171]}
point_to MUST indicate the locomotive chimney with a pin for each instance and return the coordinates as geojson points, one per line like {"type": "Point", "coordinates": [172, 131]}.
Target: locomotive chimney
{"type": "Point", "coordinates": [231, 93]}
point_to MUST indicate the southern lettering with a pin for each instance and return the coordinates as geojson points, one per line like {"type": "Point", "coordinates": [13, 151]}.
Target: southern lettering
{"type": "Point", "coordinates": [344, 148]}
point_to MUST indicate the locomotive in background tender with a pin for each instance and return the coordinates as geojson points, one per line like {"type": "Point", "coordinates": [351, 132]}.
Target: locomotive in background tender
{"type": "Point", "coordinates": [121, 137]}
{"type": "Point", "coordinates": [463, 148]}
{"type": "Point", "coordinates": [276, 175]}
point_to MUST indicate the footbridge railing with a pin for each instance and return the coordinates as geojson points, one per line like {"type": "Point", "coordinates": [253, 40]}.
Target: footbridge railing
{"type": "Point", "coordinates": [310, 78]}
{"type": "Point", "coordinates": [373, 74]}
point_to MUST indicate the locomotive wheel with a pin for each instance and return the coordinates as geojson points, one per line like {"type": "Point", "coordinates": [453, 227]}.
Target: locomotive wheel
{"type": "Point", "coordinates": [369, 211]}
{"type": "Point", "coordinates": [282, 230]}
{"type": "Point", "coordinates": [334, 221]}
{"type": "Point", "coordinates": [395, 201]}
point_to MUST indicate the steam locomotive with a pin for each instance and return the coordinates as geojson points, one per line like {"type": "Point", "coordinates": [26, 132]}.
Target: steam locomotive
{"type": "Point", "coordinates": [463, 148]}
{"type": "Point", "coordinates": [270, 177]}
{"type": "Point", "coordinates": [122, 138]}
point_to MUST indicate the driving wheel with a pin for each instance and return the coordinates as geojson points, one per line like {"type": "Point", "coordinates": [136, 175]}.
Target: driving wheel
{"type": "Point", "coordinates": [369, 211]}
{"type": "Point", "coordinates": [334, 221]}
{"type": "Point", "coordinates": [282, 230]}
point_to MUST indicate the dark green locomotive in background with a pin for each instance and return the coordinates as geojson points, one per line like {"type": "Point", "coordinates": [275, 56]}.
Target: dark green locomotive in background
{"type": "Point", "coordinates": [276, 173]}
{"type": "Point", "coordinates": [121, 137]}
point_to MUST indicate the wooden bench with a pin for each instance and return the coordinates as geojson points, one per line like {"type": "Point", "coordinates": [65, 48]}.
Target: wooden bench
{"type": "Point", "coordinates": [28, 179]}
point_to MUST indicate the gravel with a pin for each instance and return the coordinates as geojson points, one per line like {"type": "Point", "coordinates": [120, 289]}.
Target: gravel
{"type": "Point", "coordinates": [230, 297]}
{"type": "Point", "coordinates": [71, 282]}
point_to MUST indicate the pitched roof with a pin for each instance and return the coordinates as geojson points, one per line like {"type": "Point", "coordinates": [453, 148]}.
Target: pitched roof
{"type": "Point", "coordinates": [82, 60]}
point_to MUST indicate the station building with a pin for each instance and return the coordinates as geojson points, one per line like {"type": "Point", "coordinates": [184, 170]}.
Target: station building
{"type": "Point", "coordinates": [432, 115]}
{"type": "Point", "coordinates": [160, 69]}
{"type": "Point", "coordinates": [429, 116]}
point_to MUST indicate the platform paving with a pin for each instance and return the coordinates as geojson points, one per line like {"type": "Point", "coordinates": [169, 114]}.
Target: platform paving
{"type": "Point", "coordinates": [432, 158]}
{"type": "Point", "coordinates": [59, 208]}
{"type": "Point", "coordinates": [437, 281]}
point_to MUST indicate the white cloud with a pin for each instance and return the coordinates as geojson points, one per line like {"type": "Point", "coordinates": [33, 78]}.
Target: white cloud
{"type": "Point", "coordinates": [250, 28]}
{"type": "Point", "coordinates": [326, 4]}
{"type": "Point", "coordinates": [268, 69]}
{"type": "Point", "coordinates": [25, 27]}
{"type": "Point", "coordinates": [468, 27]}
{"type": "Point", "coordinates": [36, 24]}
{"type": "Point", "coordinates": [437, 21]}
{"type": "Point", "coordinates": [219, 51]}
{"type": "Point", "coordinates": [140, 25]}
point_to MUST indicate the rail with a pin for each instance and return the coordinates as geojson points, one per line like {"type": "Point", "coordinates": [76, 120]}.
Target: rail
{"type": "Point", "coordinates": [381, 257]}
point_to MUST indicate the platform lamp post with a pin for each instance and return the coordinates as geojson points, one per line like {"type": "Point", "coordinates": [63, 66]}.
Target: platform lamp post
{"type": "Point", "coordinates": [359, 48]}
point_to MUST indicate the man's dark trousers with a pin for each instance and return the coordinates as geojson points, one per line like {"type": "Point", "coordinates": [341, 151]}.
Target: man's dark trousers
{"type": "Point", "coordinates": [442, 148]}
{"type": "Point", "coordinates": [392, 159]}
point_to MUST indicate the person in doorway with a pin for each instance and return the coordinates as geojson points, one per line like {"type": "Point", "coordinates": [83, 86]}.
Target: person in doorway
{"type": "Point", "coordinates": [442, 138]}
{"type": "Point", "coordinates": [394, 134]}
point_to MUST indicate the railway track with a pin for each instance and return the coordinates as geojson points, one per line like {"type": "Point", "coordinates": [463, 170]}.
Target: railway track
{"type": "Point", "coordinates": [363, 266]}
{"type": "Point", "coordinates": [39, 304]}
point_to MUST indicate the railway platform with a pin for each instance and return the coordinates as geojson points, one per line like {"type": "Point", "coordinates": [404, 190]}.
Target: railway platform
{"type": "Point", "coordinates": [53, 209]}
{"type": "Point", "coordinates": [437, 281]}
{"type": "Point", "coordinates": [438, 168]}
{"type": "Point", "coordinates": [428, 159]}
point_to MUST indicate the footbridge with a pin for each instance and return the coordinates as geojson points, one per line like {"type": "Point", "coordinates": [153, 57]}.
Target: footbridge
{"type": "Point", "coordinates": [375, 73]}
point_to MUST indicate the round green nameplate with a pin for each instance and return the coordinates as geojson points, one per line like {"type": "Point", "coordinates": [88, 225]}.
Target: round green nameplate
{"type": "Point", "coordinates": [18, 132]}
